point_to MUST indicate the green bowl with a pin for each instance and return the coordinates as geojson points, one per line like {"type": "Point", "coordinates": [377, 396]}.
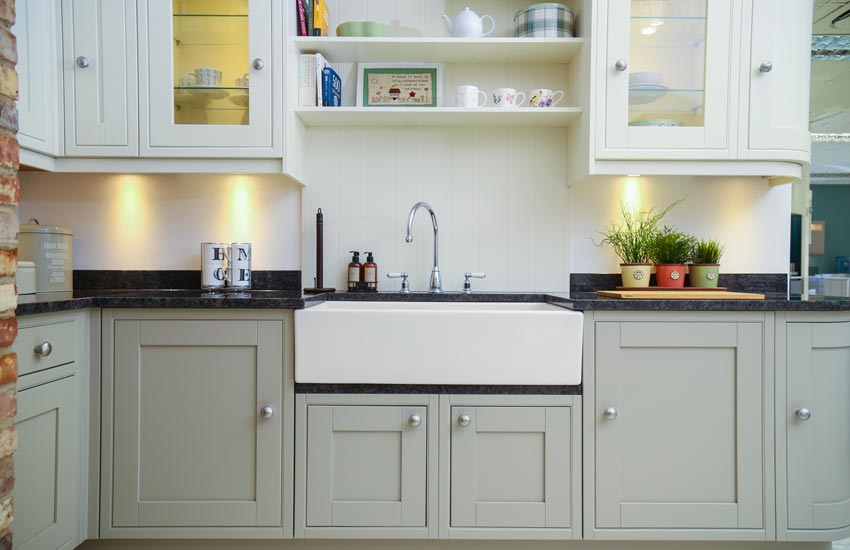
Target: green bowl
{"type": "Point", "coordinates": [363, 28]}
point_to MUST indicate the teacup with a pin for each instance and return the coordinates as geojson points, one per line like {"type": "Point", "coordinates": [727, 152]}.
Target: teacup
{"type": "Point", "coordinates": [470, 96]}
{"type": "Point", "coordinates": [207, 76]}
{"type": "Point", "coordinates": [188, 80]}
{"type": "Point", "coordinates": [542, 97]}
{"type": "Point", "coordinates": [507, 97]}
{"type": "Point", "coordinates": [243, 82]}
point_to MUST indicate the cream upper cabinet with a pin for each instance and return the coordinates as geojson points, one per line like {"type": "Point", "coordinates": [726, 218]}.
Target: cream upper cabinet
{"type": "Point", "coordinates": [37, 31]}
{"type": "Point", "coordinates": [775, 81]}
{"type": "Point", "coordinates": [210, 72]}
{"type": "Point", "coordinates": [666, 73]}
{"type": "Point", "coordinates": [101, 90]}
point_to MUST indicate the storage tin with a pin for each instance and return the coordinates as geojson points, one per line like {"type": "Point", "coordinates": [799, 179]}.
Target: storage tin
{"type": "Point", "coordinates": [51, 248]}
{"type": "Point", "coordinates": [548, 20]}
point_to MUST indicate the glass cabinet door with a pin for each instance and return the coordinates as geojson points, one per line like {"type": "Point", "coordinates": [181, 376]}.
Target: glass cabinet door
{"type": "Point", "coordinates": [210, 73]}
{"type": "Point", "coordinates": [668, 69]}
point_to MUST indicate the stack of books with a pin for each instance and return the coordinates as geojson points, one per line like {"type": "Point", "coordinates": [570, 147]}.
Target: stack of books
{"type": "Point", "coordinates": [312, 17]}
{"type": "Point", "coordinates": [318, 84]}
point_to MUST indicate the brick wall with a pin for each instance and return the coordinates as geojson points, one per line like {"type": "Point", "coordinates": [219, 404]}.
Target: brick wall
{"type": "Point", "coordinates": [9, 194]}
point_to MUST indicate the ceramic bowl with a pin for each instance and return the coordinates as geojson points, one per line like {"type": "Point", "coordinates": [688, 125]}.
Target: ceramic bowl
{"type": "Point", "coordinates": [644, 78]}
{"type": "Point", "coordinates": [363, 28]}
{"type": "Point", "coordinates": [658, 122]}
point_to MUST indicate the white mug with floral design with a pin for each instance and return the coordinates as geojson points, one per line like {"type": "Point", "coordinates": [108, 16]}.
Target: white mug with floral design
{"type": "Point", "coordinates": [508, 97]}
{"type": "Point", "coordinates": [543, 97]}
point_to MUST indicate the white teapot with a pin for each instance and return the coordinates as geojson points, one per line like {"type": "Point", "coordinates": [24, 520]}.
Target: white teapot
{"type": "Point", "coordinates": [467, 24]}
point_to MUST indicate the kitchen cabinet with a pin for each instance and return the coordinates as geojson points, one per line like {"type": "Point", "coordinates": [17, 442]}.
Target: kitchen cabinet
{"type": "Point", "coordinates": [197, 421]}
{"type": "Point", "coordinates": [37, 29]}
{"type": "Point", "coordinates": [47, 465]}
{"type": "Point", "coordinates": [210, 77]}
{"type": "Point", "coordinates": [813, 413]}
{"type": "Point", "coordinates": [667, 75]}
{"type": "Point", "coordinates": [679, 428]}
{"type": "Point", "coordinates": [101, 78]}
{"type": "Point", "coordinates": [364, 466]}
{"type": "Point", "coordinates": [513, 466]}
{"type": "Point", "coordinates": [775, 81]}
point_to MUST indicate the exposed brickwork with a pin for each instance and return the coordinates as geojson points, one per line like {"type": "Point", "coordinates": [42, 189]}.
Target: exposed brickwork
{"type": "Point", "coordinates": [9, 195]}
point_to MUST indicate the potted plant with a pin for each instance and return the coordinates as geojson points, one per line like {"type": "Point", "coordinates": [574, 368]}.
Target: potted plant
{"type": "Point", "coordinates": [632, 239]}
{"type": "Point", "coordinates": [705, 269]}
{"type": "Point", "coordinates": [670, 251]}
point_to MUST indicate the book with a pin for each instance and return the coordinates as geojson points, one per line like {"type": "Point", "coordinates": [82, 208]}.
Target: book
{"type": "Point", "coordinates": [331, 88]}
{"type": "Point", "coordinates": [310, 67]}
{"type": "Point", "coordinates": [301, 18]}
{"type": "Point", "coordinates": [321, 18]}
{"type": "Point", "coordinates": [308, 12]}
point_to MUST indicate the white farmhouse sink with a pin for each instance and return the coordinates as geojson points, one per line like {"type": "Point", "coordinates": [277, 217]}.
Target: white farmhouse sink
{"type": "Point", "coordinates": [438, 343]}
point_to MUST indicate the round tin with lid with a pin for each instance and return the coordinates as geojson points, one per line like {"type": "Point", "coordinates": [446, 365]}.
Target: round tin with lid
{"type": "Point", "coordinates": [544, 20]}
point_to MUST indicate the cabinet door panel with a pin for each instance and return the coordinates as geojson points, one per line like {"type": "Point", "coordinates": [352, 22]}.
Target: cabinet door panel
{"type": "Point", "coordinates": [685, 448]}
{"type": "Point", "coordinates": [779, 99]}
{"type": "Point", "coordinates": [818, 469]}
{"type": "Point", "coordinates": [510, 467]}
{"type": "Point", "coordinates": [190, 448]}
{"type": "Point", "coordinates": [366, 466]}
{"type": "Point", "coordinates": [101, 100]}
{"type": "Point", "coordinates": [45, 465]}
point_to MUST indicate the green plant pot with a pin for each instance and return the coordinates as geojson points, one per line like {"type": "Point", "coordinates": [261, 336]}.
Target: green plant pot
{"type": "Point", "coordinates": [704, 275]}
{"type": "Point", "coordinates": [636, 275]}
{"type": "Point", "coordinates": [670, 275]}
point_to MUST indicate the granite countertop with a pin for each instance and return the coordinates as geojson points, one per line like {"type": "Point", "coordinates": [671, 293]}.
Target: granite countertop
{"type": "Point", "coordinates": [289, 299]}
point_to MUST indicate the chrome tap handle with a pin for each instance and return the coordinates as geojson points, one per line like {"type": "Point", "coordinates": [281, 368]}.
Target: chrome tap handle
{"type": "Point", "coordinates": [467, 283]}
{"type": "Point", "coordinates": [405, 286]}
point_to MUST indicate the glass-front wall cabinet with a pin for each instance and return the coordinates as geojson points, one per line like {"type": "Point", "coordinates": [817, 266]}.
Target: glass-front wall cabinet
{"type": "Point", "coordinates": [667, 72]}
{"type": "Point", "coordinates": [210, 73]}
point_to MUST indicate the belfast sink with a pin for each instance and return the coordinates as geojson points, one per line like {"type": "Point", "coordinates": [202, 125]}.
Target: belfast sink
{"type": "Point", "coordinates": [438, 343]}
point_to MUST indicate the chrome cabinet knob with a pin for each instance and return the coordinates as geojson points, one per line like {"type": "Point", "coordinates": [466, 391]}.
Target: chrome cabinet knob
{"type": "Point", "coordinates": [266, 412]}
{"type": "Point", "coordinates": [464, 420]}
{"type": "Point", "coordinates": [258, 64]}
{"type": "Point", "coordinates": [766, 67]}
{"type": "Point", "coordinates": [44, 349]}
{"type": "Point", "coordinates": [803, 414]}
{"type": "Point", "coordinates": [414, 420]}
{"type": "Point", "coordinates": [621, 65]}
{"type": "Point", "coordinates": [83, 62]}
{"type": "Point", "coordinates": [610, 413]}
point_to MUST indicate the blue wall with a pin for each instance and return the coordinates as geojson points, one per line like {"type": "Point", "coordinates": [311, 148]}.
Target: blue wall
{"type": "Point", "coordinates": [831, 203]}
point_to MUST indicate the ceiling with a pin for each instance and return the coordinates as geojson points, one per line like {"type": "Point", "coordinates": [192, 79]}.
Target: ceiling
{"type": "Point", "coordinates": [830, 94]}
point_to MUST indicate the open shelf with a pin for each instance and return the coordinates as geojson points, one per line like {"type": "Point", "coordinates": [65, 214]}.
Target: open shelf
{"type": "Point", "coordinates": [555, 117]}
{"type": "Point", "coordinates": [441, 50]}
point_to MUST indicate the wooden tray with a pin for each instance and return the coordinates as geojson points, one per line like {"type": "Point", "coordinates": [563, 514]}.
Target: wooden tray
{"type": "Point", "coordinates": [687, 294]}
{"type": "Point", "coordinates": [679, 289]}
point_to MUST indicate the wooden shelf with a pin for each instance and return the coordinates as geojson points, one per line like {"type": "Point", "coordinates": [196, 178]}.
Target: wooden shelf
{"type": "Point", "coordinates": [555, 117]}
{"type": "Point", "coordinates": [441, 50]}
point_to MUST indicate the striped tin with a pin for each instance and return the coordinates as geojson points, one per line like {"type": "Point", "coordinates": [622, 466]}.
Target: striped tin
{"type": "Point", "coordinates": [548, 20]}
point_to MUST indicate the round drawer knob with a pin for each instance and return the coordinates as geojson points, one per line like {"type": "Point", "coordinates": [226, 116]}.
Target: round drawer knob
{"type": "Point", "coordinates": [266, 412]}
{"type": "Point", "coordinates": [258, 64]}
{"type": "Point", "coordinates": [610, 413]}
{"type": "Point", "coordinates": [621, 65]}
{"type": "Point", "coordinates": [44, 349]}
{"type": "Point", "coordinates": [414, 420]}
{"type": "Point", "coordinates": [464, 420]}
{"type": "Point", "coordinates": [803, 414]}
{"type": "Point", "coordinates": [766, 67]}
{"type": "Point", "coordinates": [83, 62]}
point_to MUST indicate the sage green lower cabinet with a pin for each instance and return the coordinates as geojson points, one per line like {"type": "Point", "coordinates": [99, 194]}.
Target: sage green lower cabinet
{"type": "Point", "coordinates": [512, 467]}
{"type": "Point", "coordinates": [364, 461]}
{"type": "Point", "coordinates": [196, 440]}
{"type": "Point", "coordinates": [47, 464]}
{"type": "Point", "coordinates": [680, 432]}
{"type": "Point", "coordinates": [814, 416]}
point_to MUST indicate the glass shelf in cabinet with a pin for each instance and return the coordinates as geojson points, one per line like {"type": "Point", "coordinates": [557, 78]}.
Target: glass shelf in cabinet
{"type": "Point", "coordinates": [668, 18]}
{"type": "Point", "coordinates": [651, 100]}
{"type": "Point", "coordinates": [209, 15]}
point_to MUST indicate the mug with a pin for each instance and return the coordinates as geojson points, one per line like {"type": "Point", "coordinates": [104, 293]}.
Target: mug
{"type": "Point", "coordinates": [239, 275]}
{"type": "Point", "coordinates": [469, 96]}
{"type": "Point", "coordinates": [207, 76]}
{"type": "Point", "coordinates": [243, 82]}
{"type": "Point", "coordinates": [188, 80]}
{"type": "Point", "coordinates": [542, 97]}
{"type": "Point", "coordinates": [507, 97]}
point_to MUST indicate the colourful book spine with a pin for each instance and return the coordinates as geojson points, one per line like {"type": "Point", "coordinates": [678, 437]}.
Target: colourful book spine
{"type": "Point", "coordinates": [331, 88]}
{"type": "Point", "coordinates": [302, 18]}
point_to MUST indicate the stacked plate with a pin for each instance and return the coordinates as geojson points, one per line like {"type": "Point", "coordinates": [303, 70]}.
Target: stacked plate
{"type": "Point", "coordinates": [645, 87]}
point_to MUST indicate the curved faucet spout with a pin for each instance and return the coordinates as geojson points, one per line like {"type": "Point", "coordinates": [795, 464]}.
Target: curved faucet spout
{"type": "Point", "coordinates": [435, 285]}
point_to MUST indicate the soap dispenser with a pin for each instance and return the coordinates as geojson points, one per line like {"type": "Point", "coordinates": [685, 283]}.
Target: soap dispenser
{"type": "Point", "coordinates": [370, 272]}
{"type": "Point", "coordinates": [354, 270]}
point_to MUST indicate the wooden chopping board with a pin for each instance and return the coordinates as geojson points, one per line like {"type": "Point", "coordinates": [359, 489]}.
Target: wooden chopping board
{"type": "Point", "coordinates": [678, 295]}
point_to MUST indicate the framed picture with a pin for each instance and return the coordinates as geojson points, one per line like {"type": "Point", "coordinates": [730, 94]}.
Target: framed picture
{"type": "Point", "coordinates": [399, 85]}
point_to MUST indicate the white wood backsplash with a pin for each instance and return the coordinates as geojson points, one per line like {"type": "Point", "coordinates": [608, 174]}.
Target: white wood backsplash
{"type": "Point", "coordinates": [499, 194]}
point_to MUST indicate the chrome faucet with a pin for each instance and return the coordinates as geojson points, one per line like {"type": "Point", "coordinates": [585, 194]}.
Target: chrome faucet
{"type": "Point", "coordinates": [435, 284]}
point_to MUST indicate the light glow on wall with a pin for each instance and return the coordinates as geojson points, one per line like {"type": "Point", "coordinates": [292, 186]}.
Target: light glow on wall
{"type": "Point", "coordinates": [631, 196]}
{"type": "Point", "coordinates": [241, 210]}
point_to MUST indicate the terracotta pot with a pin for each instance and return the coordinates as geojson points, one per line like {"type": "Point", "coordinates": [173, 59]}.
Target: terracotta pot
{"type": "Point", "coordinates": [704, 275]}
{"type": "Point", "coordinates": [636, 275]}
{"type": "Point", "coordinates": [670, 275]}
